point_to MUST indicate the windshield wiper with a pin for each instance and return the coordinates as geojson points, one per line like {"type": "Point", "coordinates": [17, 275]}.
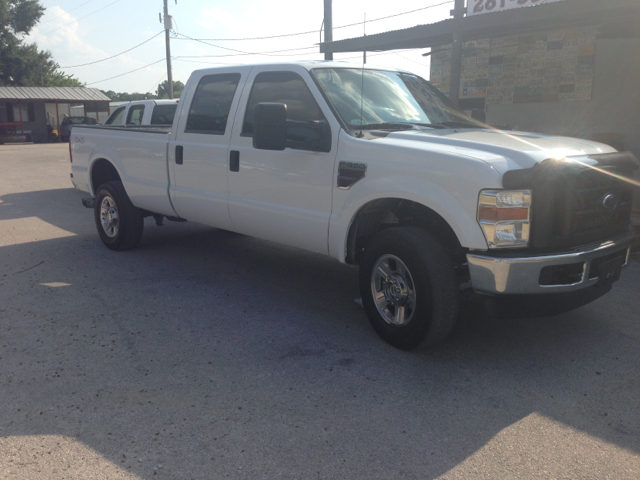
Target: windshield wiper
{"type": "Point", "coordinates": [460, 124]}
{"type": "Point", "coordinates": [386, 126]}
{"type": "Point", "coordinates": [412, 125]}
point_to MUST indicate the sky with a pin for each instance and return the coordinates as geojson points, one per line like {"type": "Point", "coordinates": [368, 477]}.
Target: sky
{"type": "Point", "coordinates": [78, 32]}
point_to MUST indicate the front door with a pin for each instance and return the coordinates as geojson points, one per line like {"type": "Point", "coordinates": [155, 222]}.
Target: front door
{"type": "Point", "coordinates": [283, 196]}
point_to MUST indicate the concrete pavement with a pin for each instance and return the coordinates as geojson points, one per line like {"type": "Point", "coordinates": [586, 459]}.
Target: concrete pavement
{"type": "Point", "coordinates": [204, 354]}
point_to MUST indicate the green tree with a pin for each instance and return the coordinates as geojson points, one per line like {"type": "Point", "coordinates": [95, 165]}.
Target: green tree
{"type": "Point", "coordinates": [163, 89]}
{"type": "Point", "coordinates": [24, 64]}
{"type": "Point", "coordinates": [127, 97]}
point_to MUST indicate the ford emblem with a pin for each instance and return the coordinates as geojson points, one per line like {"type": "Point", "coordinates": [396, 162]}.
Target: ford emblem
{"type": "Point", "coordinates": [610, 201]}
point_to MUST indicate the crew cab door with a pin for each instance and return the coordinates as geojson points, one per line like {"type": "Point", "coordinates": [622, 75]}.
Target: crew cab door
{"type": "Point", "coordinates": [283, 196]}
{"type": "Point", "coordinates": [198, 152]}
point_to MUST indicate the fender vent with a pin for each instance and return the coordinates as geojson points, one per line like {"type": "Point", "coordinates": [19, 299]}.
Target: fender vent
{"type": "Point", "coordinates": [349, 173]}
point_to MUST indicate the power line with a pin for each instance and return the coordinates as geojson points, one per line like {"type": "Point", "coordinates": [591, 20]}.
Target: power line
{"type": "Point", "coordinates": [369, 54]}
{"type": "Point", "coordinates": [253, 53]}
{"type": "Point", "coordinates": [316, 31]}
{"type": "Point", "coordinates": [157, 83]}
{"type": "Point", "coordinates": [245, 54]}
{"type": "Point", "coordinates": [77, 20]}
{"type": "Point", "coordinates": [127, 73]}
{"type": "Point", "coordinates": [397, 14]}
{"type": "Point", "coordinates": [180, 59]}
{"type": "Point", "coordinates": [402, 56]}
{"type": "Point", "coordinates": [117, 55]}
{"type": "Point", "coordinates": [62, 15]}
{"type": "Point", "coordinates": [242, 52]}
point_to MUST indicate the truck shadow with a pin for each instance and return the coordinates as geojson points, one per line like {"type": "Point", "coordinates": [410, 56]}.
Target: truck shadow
{"type": "Point", "coordinates": [204, 349]}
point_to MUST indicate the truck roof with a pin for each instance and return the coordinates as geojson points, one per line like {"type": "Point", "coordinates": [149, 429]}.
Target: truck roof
{"type": "Point", "coordinates": [311, 64]}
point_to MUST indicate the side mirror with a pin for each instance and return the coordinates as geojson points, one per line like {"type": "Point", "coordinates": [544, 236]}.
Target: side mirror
{"type": "Point", "coordinates": [270, 126]}
{"type": "Point", "coordinates": [478, 114]}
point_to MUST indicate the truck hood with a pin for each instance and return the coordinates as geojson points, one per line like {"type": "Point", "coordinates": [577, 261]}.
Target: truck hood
{"type": "Point", "coordinates": [503, 150]}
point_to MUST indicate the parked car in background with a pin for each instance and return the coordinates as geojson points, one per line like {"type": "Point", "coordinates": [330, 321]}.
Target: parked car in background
{"type": "Point", "coordinates": [68, 122]}
{"type": "Point", "coordinates": [144, 112]}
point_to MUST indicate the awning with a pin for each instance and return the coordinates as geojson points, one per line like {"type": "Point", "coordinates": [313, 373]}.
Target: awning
{"type": "Point", "coordinates": [619, 17]}
{"type": "Point", "coordinates": [54, 94]}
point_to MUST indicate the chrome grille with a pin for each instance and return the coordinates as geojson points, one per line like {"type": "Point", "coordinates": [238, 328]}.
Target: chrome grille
{"type": "Point", "coordinates": [576, 205]}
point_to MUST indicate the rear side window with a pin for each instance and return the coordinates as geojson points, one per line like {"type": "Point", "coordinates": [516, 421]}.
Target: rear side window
{"type": "Point", "coordinates": [211, 104]}
{"type": "Point", "coordinates": [282, 87]}
{"type": "Point", "coordinates": [163, 114]}
{"type": "Point", "coordinates": [134, 117]}
{"type": "Point", "coordinates": [116, 117]}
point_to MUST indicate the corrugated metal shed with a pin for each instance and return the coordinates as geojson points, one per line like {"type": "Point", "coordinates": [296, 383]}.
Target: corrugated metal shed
{"type": "Point", "coordinates": [59, 94]}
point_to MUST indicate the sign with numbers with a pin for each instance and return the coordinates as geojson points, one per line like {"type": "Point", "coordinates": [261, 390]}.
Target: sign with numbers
{"type": "Point", "coordinates": [475, 7]}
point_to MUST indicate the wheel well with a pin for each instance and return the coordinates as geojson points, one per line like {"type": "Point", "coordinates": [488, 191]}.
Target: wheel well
{"type": "Point", "coordinates": [101, 172]}
{"type": "Point", "coordinates": [379, 215]}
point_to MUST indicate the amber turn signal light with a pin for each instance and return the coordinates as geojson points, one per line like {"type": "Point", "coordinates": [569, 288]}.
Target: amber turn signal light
{"type": "Point", "coordinates": [495, 214]}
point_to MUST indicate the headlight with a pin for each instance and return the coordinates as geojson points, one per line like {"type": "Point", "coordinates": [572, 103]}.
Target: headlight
{"type": "Point", "coordinates": [505, 217]}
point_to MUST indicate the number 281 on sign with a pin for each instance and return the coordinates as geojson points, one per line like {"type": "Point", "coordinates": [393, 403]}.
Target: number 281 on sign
{"type": "Point", "coordinates": [485, 6]}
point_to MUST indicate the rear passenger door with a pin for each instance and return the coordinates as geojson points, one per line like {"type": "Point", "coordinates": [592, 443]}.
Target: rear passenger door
{"type": "Point", "coordinates": [198, 152]}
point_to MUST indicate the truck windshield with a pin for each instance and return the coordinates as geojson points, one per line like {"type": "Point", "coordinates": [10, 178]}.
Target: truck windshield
{"type": "Point", "coordinates": [393, 100]}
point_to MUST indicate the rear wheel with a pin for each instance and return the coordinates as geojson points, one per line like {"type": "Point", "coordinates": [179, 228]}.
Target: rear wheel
{"type": "Point", "coordinates": [119, 223]}
{"type": "Point", "coordinates": [409, 288]}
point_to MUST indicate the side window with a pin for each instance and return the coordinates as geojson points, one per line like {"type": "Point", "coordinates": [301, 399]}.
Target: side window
{"type": "Point", "coordinates": [307, 127]}
{"type": "Point", "coordinates": [163, 114]}
{"type": "Point", "coordinates": [287, 88]}
{"type": "Point", "coordinates": [134, 117]}
{"type": "Point", "coordinates": [211, 104]}
{"type": "Point", "coordinates": [116, 117]}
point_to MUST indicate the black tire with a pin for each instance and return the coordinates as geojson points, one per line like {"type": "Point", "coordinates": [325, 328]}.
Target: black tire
{"type": "Point", "coordinates": [424, 304]}
{"type": "Point", "coordinates": [119, 223]}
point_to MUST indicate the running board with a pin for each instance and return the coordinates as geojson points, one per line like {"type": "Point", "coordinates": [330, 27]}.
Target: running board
{"type": "Point", "coordinates": [89, 202]}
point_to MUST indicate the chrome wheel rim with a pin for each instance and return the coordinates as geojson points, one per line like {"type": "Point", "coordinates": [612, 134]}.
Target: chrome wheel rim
{"type": "Point", "coordinates": [109, 216]}
{"type": "Point", "coordinates": [393, 290]}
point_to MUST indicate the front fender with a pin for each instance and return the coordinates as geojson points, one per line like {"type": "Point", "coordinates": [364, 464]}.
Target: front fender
{"type": "Point", "coordinates": [454, 198]}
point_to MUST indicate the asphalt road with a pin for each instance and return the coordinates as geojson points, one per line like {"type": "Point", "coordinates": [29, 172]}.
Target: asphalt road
{"type": "Point", "coordinates": [203, 354]}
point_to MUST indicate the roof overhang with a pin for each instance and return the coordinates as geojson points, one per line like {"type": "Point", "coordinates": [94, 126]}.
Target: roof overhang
{"type": "Point", "coordinates": [53, 94]}
{"type": "Point", "coordinates": [621, 16]}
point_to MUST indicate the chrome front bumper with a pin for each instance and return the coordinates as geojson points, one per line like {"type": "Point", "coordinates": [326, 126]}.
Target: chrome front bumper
{"type": "Point", "coordinates": [522, 275]}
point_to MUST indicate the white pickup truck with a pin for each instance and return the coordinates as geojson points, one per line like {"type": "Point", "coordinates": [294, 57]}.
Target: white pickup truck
{"type": "Point", "coordinates": [143, 112]}
{"type": "Point", "coordinates": [374, 168]}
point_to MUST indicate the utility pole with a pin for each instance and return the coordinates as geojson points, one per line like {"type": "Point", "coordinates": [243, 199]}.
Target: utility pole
{"type": "Point", "coordinates": [456, 55]}
{"type": "Point", "coordinates": [167, 28]}
{"type": "Point", "coordinates": [328, 26]}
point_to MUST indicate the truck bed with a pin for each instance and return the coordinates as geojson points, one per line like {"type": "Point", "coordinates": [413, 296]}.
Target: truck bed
{"type": "Point", "coordinates": [139, 154]}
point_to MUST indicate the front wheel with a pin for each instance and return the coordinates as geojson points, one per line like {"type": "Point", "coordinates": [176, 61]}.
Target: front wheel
{"type": "Point", "coordinates": [409, 288]}
{"type": "Point", "coordinates": [119, 223]}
